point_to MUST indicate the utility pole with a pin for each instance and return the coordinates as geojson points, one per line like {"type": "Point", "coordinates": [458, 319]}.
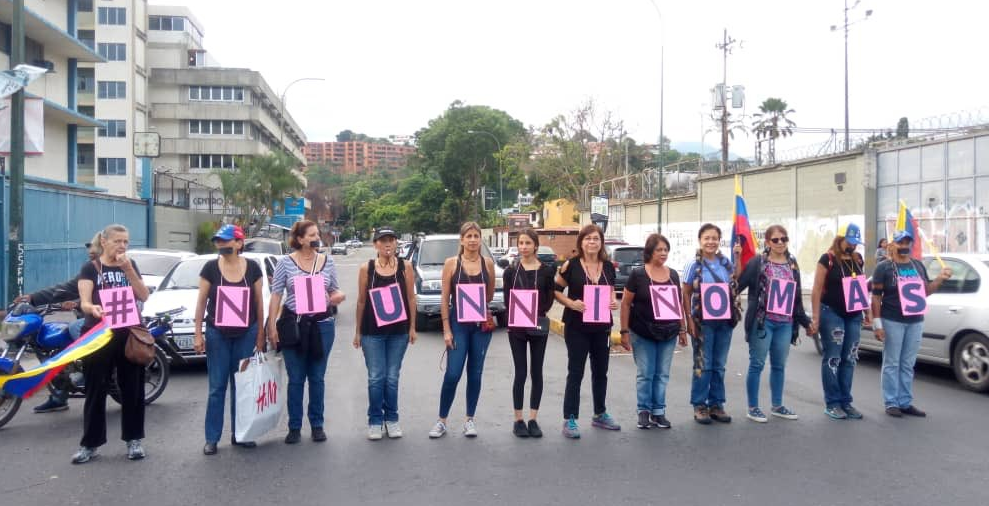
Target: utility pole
{"type": "Point", "coordinates": [726, 46]}
{"type": "Point", "coordinates": [15, 260]}
{"type": "Point", "coordinates": [845, 26]}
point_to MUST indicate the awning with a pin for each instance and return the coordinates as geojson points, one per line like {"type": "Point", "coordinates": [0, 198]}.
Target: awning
{"type": "Point", "coordinates": [63, 114]}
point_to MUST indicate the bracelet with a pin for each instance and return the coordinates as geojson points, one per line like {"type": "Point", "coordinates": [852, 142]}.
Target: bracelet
{"type": "Point", "coordinates": [877, 324]}
{"type": "Point", "coordinates": [623, 331]}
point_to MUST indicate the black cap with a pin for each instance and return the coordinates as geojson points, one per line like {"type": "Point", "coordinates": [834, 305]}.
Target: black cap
{"type": "Point", "coordinates": [384, 232]}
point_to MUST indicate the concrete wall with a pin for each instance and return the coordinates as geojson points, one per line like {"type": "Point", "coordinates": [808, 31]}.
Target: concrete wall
{"type": "Point", "coordinates": [176, 228]}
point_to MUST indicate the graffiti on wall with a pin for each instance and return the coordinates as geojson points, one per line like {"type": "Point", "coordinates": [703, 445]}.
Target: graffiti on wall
{"type": "Point", "coordinates": [962, 228]}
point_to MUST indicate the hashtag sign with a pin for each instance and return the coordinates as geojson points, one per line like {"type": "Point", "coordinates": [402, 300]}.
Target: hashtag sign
{"type": "Point", "coordinates": [119, 307]}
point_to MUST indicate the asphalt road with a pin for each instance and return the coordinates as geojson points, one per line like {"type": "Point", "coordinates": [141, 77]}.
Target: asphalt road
{"type": "Point", "coordinates": [811, 461]}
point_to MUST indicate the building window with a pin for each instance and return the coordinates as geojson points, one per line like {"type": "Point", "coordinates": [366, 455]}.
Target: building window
{"type": "Point", "coordinates": [112, 89]}
{"type": "Point", "coordinates": [111, 166]}
{"type": "Point", "coordinates": [112, 51]}
{"type": "Point", "coordinates": [113, 16]}
{"type": "Point", "coordinates": [86, 84]}
{"type": "Point", "coordinates": [114, 128]}
{"type": "Point", "coordinates": [216, 93]}
{"type": "Point", "coordinates": [166, 23]}
{"type": "Point", "coordinates": [84, 6]}
{"type": "Point", "coordinates": [216, 127]}
{"type": "Point", "coordinates": [197, 58]}
{"type": "Point", "coordinates": [212, 162]}
{"type": "Point", "coordinates": [88, 37]}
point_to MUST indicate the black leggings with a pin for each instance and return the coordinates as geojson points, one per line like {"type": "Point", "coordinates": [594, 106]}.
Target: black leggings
{"type": "Point", "coordinates": [97, 369]}
{"type": "Point", "coordinates": [580, 344]}
{"type": "Point", "coordinates": [517, 340]}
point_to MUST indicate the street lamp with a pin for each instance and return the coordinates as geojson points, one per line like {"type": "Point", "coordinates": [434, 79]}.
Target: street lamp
{"type": "Point", "coordinates": [501, 196]}
{"type": "Point", "coordinates": [281, 120]}
{"type": "Point", "coordinates": [845, 25]}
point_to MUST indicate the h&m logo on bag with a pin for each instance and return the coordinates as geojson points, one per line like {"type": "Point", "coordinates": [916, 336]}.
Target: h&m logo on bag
{"type": "Point", "coordinates": [267, 395]}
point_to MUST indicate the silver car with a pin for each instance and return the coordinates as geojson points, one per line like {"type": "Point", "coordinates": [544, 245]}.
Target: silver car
{"type": "Point", "coordinates": [956, 326]}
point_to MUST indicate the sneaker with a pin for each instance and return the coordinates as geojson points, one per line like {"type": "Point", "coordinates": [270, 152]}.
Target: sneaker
{"type": "Point", "coordinates": [438, 430]}
{"type": "Point", "coordinates": [534, 430]}
{"type": "Point", "coordinates": [718, 414]}
{"type": "Point", "coordinates": [520, 429]}
{"type": "Point", "coordinates": [894, 411]}
{"type": "Point", "coordinates": [660, 421]}
{"type": "Point", "coordinates": [51, 405]}
{"type": "Point", "coordinates": [756, 415]}
{"type": "Point", "coordinates": [853, 414]}
{"type": "Point", "coordinates": [209, 449]}
{"type": "Point", "coordinates": [242, 444]}
{"type": "Point", "coordinates": [84, 454]}
{"type": "Point", "coordinates": [374, 432]}
{"type": "Point", "coordinates": [605, 421]}
{"type": "Point", "coordinates": [702, 415]}
{"type": "Point", "coordinates": [836, 413]}
{"type": "Point", "coordinates": [643, 420]}
{"type": "Point", "coordinates": [913, 411]}
{"type": "Point", "coordinates": [318, 434]}
{"type": "Point", "coordinates": [570, 429]}
{"type": "Point", "coordinates": [293, 436]}
{"type": "Point", "coordinates": [785, 412]}
{"type": "Point", "coordinates": [134, 450]}
{"type": "Point", "coordinates": [393, 429]}
{"type": "Point", "coordinates": [470, 430]}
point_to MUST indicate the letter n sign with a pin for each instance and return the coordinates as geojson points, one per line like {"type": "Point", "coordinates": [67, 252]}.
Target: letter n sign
{"type": "Point", "coordinates": [233, 306]}
{"type": "Point", "coordinates": [522, 308]}
{"type": "Point", "coordinates": [310, 294]}
{"type": "Point", "coordinates": [715, 301]}
{"type": "Point", "coordinates": [387, 305]}
{"type": "Point", "coordinates": [471, 303]}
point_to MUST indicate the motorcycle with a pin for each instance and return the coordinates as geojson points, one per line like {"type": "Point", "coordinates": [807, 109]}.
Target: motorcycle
{"type": "Point", "coordinates": [24, 329]}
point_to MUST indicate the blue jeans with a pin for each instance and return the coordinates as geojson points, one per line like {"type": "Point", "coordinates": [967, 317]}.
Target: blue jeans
{"type": "Point", "coordinates": [383, 356]}
{"type": "Point", "coordinates": [652, 365]}
{"type": "Point", "coordinates": [773, 339]}
{"type": "Point", "coordinates": [223, 355]}
{"type": "Point", "coordinates": [470, 348]}
{"type": "Point", "coordinates": [840, 340]}
{"type": "Point", "coordinates": [312, 369]}
{"type": "Point", "coordinates": [899, 356]}
{"type": "Point", "coordinates": [708, 389]}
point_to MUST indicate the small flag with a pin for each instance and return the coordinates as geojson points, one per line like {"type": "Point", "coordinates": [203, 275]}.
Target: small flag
{"type": "Point", "coordinates": [26, 383]}
{"type": "Point", "coordinates": [741, 230]}
{"type": "Point", "coordinates": [906, 222]}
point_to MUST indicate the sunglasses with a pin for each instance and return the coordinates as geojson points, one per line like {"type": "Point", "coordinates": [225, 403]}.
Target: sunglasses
{"type": "Point", "coordinates": [777, 240]}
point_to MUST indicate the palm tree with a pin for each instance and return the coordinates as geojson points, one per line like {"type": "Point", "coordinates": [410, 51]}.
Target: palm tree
{"type": "Point", "coordinates": [771, 123]}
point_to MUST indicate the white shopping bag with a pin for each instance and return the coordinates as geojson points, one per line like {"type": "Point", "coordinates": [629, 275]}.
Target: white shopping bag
{"type": "Point", "coordinates": [260, 395]}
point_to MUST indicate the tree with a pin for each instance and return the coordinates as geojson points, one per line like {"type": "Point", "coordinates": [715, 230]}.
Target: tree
{"type": "Point", "coordinates": [771, 123]}
{"type": "Point", "coordinates": [903, 128]}
{"type": "Point", "coordinates": [259, 182]}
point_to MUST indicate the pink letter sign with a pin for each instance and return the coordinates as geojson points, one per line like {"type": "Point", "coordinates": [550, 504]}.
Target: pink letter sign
{"type": "Point", "coordinates": [913, 296]}
{"type": "Point", "coordinates": [233, 306]}
{"type": "Point", "coordinates": [856, 290]}
{"type": "Point", "coordinates": [715, 301]}
{"type": "Point", "coordinates": [387, 305]}
{"type": "Point", "coordinates": [119, 307]}
{"type": "Point", "coordinates": [781, 296]}
{"type": "Point", "coordinates": [523, 308]}
{"type": "Point", "coordinates": [597, 298]}
{"type": "Point", "coordinates": [471, 303]}
{"type": "Point", "coordinates": [665, 302]}
{"type": "Point", "coordinates": [310, 295]}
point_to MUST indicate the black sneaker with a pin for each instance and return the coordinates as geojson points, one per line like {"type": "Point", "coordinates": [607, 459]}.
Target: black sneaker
{"type": "Point", "coordinates": [894, 412]}
{"type": "Point", "coordinates": [534, 430]}
{"type": "Point", "coordinates": [209, 449]}
{"type": "Point", "coordinates": [293, 436]}
{"type": "Point", "coordinates": [913, 411]}
{"type": "Point", "coordinates": [520, 429]}
{"type": "Point", "coordinates": [51, 405]}
{"type": "Point", "coordinates": [318, 434]}
{"type": "Point", "coordinates": [660, 421]}
{"type": "Point", "coordinates": [643, 421]}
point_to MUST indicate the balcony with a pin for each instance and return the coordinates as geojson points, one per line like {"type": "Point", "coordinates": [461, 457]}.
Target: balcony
{"type": "Point", "coordinates": [55, 39]}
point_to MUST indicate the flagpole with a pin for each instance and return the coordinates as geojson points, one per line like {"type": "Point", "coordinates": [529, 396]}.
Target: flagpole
{"type": "Point", "coordinates": [930, 245]}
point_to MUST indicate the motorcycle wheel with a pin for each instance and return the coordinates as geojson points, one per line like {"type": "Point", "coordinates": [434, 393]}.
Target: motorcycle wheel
{"type": "Point", "coordinates": [155, 379]}
{"type": "Point", "coordinates": [9, 404]}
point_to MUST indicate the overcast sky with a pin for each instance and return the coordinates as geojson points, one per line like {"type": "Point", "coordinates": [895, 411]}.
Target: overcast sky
{"type": "Point", "coordinates": [392, 65]}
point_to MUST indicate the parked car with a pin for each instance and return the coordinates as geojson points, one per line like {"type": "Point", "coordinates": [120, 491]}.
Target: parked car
{"type": "Point", "coordinates": [546, 255]}
{"type": "Point", "coordinates": [427, 261]}
{"type": "Point", "coordinates": [405, 251]}
{"type": "Point", "coordinates": [625, 258]}
{"type": "Point", "coordinates": [498, 252]}
{"type": "Point", "coordinates": [338, 249]}
{"type": "Point", "coordinates": [511, 254]}
{"type": "Point", "coordinates": [155, 263]}
{"type": "Point", "coordinates": [354, 243]}
{"type": "Point", "coordinates": [264, 245]}
{"type": "Point", "coordinates": [956, 326]}
{"type": "Point", "coordinates": [180, 288]}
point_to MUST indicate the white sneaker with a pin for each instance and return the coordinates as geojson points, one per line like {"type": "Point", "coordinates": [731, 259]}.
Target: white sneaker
{"type": "Point", "coordinates": [374, 432]}
{"type": "Point", "coordinates": [438, 430]}
{"type": "Point", "coordinates": [393, 429]}
{"type": "Point", "coordinates": [470, 430]}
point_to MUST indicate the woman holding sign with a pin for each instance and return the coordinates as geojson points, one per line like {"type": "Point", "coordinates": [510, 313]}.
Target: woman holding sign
{"type": "Point", "coordinates": [589, 279]}
{"type": "Point", "coordinates": [529, 292]}
{"type": "Point", "coordinates": [839, 302]}
{"type": "Point", "coordinates": [385, 327]}
{"type": "Point", "coordinates": [775, 305]}
{"type": "Point", "coordinates": [468, 287]}
{"type": "Point", "coordinates": [303, 326]}
{"type": "Point", "coordinates": [899, 301]}
{"type": "Point", "coordinates": [109, 290]}
{"type": "Point", "coordinates": [653, 323]}
{"type": "Point", "coordinates": [231, 299]}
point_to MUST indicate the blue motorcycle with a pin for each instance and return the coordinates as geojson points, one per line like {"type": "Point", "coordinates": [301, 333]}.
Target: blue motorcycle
{"type": "Point", "coordinates": [24, 329]}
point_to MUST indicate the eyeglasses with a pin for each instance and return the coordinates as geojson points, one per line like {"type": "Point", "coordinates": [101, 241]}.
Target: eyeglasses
{"type": "Point", "coordinates": [592, 238]}
{"type": "Point", "coordinates": [777, 240]}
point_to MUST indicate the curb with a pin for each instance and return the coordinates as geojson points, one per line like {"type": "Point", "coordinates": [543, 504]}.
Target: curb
{"type": "Point", "coordinates": [557, 326]}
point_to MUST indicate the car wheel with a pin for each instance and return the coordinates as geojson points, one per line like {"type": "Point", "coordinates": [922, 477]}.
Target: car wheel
{"type": "Point", "coordinates": [970, 362]}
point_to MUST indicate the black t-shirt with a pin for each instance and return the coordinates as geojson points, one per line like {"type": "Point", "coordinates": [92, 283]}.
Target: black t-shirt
{"type": "Point", "coordinates": [113, 277]}
{"type": "Point", "coordinates": [638, 283]}
{"type": "Point", "coordinates": [519, 278]}
{"type": "Point", "coordinates": [211, 273]}
{"type": "Point", "coordinates": [886, 275]}
{"type": "Point", "coordinates": [837, 268]}
{"type": "Point", "coordinates": [576, 278]}
{"type": "Point", "coordinates": [369, 325]}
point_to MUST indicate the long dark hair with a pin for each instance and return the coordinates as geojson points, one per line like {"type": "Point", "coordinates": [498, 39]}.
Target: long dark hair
{"type": "Point", "coordinates": [586, 231]}
{"type": "Point", "coordinates": [772, 230]}
{"type": "Point", "coordinates": [298, 231]}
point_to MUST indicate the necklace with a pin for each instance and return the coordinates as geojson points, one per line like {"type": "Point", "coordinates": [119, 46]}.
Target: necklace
{"type": "Point", "coordinates": [388, 265]}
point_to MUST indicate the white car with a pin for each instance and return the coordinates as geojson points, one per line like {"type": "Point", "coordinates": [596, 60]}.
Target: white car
{"type": "Point", "coordinates": [180, 288]}
{"type": "Point", "coordinates": [511, 254]}
{"type": "Point", "coordinates": [154, 264]}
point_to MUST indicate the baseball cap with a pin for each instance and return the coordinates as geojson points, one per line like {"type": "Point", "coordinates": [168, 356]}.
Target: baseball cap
{"type": "Point", "coordinates": [229, 232]}
{"type": "Point", "coordinates": [901, 235]}
{"type": "Point", "coordinates": [852, 234]}
{"type": "Point", "coordinates": [384, 232]}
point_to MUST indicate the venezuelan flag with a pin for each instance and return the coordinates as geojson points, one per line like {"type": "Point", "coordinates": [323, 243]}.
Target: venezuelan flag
{"type": "Point", "coordinates": [740, 228]}
{"type": "Point", "coordinates": [906, 221]}
{"type": "Point", "coordinates": [26, 383]}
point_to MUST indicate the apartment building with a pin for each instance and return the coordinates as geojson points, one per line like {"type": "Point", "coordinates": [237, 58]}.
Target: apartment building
{"type": "Point", "coordinates": [358, 157]}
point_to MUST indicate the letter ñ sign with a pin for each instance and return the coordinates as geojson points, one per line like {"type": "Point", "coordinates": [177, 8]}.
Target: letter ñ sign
{"type": "Point", "coordinates": [665, 302]}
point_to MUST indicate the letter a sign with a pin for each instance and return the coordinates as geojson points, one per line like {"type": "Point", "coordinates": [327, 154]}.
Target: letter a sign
{"type": "Point", "coordinates": [471, 303]}
{"type": "Point", "coordinates": [386, 303]}
{"type": "Point", "coordinates": [523, 307]}
{"type": "Point", "coordinates": [233, 306]}
{"type": "Point", "coordinates": [310, 295]}
{"type": "Point", "coordinates": [856, 290]}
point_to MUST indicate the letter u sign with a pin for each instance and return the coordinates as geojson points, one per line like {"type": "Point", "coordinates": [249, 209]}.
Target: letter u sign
{"type": "Point", "coordinates": [387, 305]}
{"type": "Point", "coordinates": [715, 301]}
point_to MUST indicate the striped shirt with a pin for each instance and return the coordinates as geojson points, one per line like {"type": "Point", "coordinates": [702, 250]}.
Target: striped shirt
{"type": "Point", "coordinates": [286, 270]}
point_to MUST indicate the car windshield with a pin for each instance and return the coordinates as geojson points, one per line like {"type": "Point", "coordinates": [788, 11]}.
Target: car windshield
{"type": "Point", "coordinates": [185, 276]}
{"type": "Point", "coordinates": [273, 248]}
{"type": "Point", "coordinates": [153, 264]}
{"type": "Point", "coordinates": [627, 255]}
{"type": "Point", "coordinates": [545, 250]}
{"type": "Point", "coordinates": [435, 252]}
